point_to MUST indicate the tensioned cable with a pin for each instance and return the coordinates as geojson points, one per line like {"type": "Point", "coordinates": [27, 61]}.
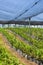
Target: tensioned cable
{"type": "Point", "coordinates": [27, 10]}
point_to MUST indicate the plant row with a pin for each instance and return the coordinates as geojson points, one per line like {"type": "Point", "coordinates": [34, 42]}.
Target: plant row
{"type": "Point", "coordinates": [32, 51]}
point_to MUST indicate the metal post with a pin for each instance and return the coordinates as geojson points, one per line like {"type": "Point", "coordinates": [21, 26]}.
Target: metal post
{"type": "Point", "coordinates": [37, 31]}
{"type": "Point", "coordinates": [29, 26]}
{"type": "Point", "coordinates": [3, 25]}
{"type": "Point", "coordinates": [29, 30]}
{"type": "Point", "coordinates": [9, 25]}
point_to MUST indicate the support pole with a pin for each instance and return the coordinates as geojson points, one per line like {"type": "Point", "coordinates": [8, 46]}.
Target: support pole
{"type": "Point", "coordinates": [3, 25]}
{"type": "Point", "coordinates": [29, 30]}
{"type": "Point", "coordinates": [29, 26]}
{"type": "Point", "coordinates": [9, 25]}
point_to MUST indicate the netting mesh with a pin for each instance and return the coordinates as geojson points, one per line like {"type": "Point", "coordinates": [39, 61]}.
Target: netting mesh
{"type": "Point", "coordinates": [20, 9]}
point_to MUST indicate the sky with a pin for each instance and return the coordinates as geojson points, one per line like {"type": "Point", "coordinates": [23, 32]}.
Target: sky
{"type": "Point", "coordinates": [10, 9]}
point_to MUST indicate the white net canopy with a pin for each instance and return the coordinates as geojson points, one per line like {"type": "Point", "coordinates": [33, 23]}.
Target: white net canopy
{"type": "Point", "coordinates": [20, 9]}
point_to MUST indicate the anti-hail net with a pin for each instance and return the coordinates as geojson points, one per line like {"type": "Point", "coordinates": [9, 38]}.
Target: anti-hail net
{"type": "Point", "coordinates": [20, 9]}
